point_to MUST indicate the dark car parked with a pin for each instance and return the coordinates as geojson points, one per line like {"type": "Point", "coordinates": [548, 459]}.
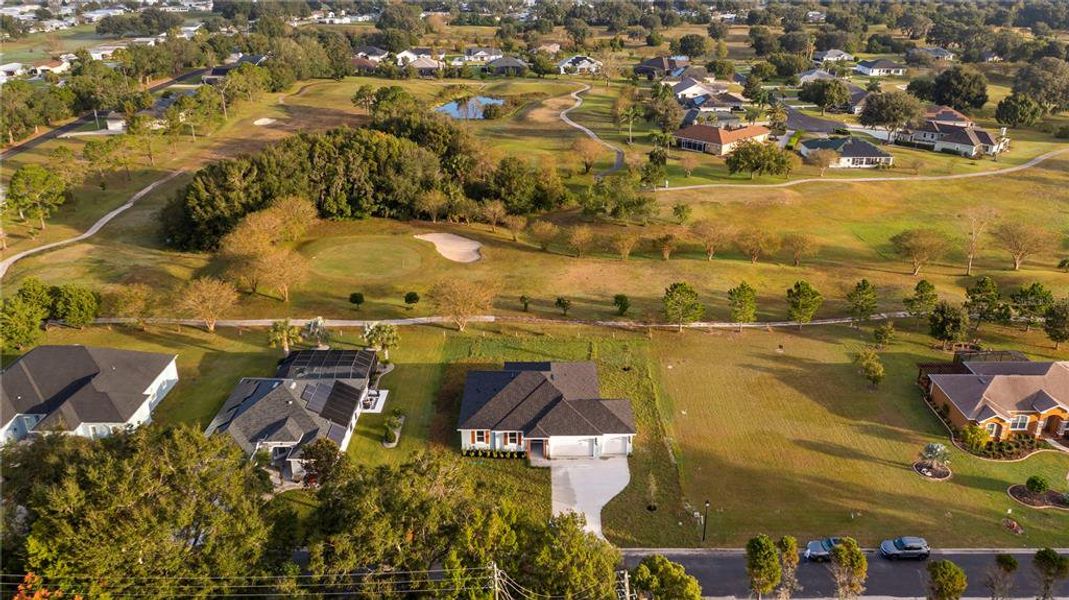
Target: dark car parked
{"type": "Point", "coordinates": [820, 550]}
{"type": "Point", "coordinates": [905, 547]}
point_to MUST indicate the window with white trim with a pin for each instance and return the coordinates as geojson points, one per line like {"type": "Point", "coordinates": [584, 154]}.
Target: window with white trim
{"type": "Point", "coordinates": [992, 428]}
{"type": "Point", "coordinates": [513, 438]}
{"type": "Point", "coordinates": [481, 437]}
{"type": "Point", "coordinates": [1019, 423]}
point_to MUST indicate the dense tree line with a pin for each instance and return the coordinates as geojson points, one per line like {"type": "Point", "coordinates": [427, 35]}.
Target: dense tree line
{"type": "Point", "coordinates": [411, 161]}
{"type": "Point", "coordinates": [150, 21]}
{"type": "Point", "coordinates": [188, 513]}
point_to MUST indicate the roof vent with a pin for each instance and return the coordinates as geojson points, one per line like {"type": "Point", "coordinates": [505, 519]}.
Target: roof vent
{"type": "Point", "coordinates": [293, 385]}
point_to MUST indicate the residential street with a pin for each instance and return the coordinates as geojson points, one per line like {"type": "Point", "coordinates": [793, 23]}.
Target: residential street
{"type": "Point", "coordinates": [75, 124]}
{"type": "Point", "coordinates": [722, 573]}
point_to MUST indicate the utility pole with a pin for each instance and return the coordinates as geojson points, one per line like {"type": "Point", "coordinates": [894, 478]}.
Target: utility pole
{"type": "Point", "coordinates": [496, 580]}
{"type": "Point", "coordinates": [623, 586]}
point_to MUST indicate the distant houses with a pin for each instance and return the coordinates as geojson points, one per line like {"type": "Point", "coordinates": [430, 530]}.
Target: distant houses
{"type": "Point", "coordinates": [482, 55]}
{"type": "Point", "coordinates": [853, 153]}
{"type": "Point", "coordinates": [82, 390]}
{"type": "Point", "coordinates": [508, 66]}
{"type": "Point", "coordinates": [579, 64]}
{"type": "Point", "coordinates": [814, 75]}
{"type": "Point", "coordinates": [880, 68]}
{"type": "Point", "coordinates": [933, 53]}
{"type": "Point", "coordinates": [831, 55]}
{"type": "Point", "coordinates": [371, 53]}
{"type": "Point", "coordinates": [970, 141]}
{"type": "Point", "coordinates": [718, 141]}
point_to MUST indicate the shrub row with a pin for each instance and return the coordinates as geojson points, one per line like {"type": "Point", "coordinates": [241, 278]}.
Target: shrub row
{"type": "Point", "coordinates": [487, 453]}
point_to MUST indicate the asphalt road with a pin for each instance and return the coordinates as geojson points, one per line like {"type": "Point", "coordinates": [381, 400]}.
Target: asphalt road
{"type": "Point", "coordinates": [798, 120]}
{"type": "Point", "coordinates": [722, 574]}
{"type": "Point", "coordinates": [75, 124]}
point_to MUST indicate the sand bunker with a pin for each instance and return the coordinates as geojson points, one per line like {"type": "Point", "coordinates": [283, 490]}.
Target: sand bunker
{"type": "Point", "coordinates": [262, 122]}
{"type": "Point", "coordinates": [453, 247]}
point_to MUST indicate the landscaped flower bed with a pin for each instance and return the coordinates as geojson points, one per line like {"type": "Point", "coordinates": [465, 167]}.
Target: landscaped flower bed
{"type": "Point", "coordinates": [495, 453]}
{"type": "Point", "coordinates": [1045, 499]}
{"type": "Point", "coordinates": [1017, 446]}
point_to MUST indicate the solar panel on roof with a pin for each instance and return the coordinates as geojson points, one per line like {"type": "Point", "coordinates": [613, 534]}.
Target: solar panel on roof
{"type": "Point", "coordinates": [319, 398]}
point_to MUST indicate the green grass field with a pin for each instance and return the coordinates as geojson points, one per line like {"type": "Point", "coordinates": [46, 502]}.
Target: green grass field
{"type": "Point", "coordinates": [795, 442]}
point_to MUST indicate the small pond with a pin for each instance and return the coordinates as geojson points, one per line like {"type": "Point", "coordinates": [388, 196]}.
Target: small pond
{"type": "Point", "coordinates": [472, 108]}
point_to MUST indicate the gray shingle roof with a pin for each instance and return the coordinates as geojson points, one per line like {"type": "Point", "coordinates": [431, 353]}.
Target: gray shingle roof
{"type": "Point", "coordinates": [849, 147]}
{"type": "Point", "coordinates": [1002, 388]}
{"type": "Point", "coordinates": [542, 399]}
{"type": "Point", "coordinates": [79, 384]}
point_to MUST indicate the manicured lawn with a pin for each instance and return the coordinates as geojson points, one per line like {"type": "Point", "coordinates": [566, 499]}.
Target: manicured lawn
{"type": "Point", "coordinates": [795, 442]}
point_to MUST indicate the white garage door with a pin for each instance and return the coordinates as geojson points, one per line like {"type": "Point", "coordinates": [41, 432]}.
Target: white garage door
{"type": "Point", "coordinates": [615, 446]}
{"type": "Point", "coordinates": [572, 448]}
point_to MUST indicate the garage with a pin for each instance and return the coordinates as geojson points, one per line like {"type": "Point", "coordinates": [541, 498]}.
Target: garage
{"type": "Point", "coordinates": [615, 446]}
{"type": "Point", "coordinates": [573, 448]}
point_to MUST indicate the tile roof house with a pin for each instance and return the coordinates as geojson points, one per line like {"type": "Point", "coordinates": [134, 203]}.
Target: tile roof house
{"type": "Point", "coordinates": [718, 140]}
{"type": "Point", "coordinates": [314, 394]}
{"type": "Point", "coordinates": [880, 68]}
{"type": "Point", "coordinates": [956, 139]}
{"type": "Point", "coordinates": [549, 410]}
{"type": "Point", "coordinates": [854, 153]}
{"type": "Point", "coordinates": [1006, 397]}
{"type": "Point", "coordinates": [82, 390]}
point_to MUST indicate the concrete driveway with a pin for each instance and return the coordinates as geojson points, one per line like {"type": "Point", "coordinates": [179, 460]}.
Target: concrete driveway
{"type": "Point", "coordinates": [585, 485]}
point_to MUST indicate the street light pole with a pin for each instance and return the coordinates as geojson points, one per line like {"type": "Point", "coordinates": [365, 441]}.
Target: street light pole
{"type": "Point", "coordinates": [705, 521]}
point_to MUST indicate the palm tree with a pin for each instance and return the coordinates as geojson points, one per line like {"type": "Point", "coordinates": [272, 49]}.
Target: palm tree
{"type": "Point", "coordinates": [629, 116]}
{"type": "Point", "coordinates": [661, 138]}
{"type": "Point", "coordinates": [382, 336]}
{"type": "Point", "coordinates": [282, 334]}
{"type": "Point", "coordinates": [777, 116]}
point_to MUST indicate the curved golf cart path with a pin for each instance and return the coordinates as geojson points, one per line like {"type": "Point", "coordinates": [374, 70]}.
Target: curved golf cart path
{"type": "Point", "coordinates": [619, 164]}
{"type": "Point", "coordinates": [93, 229]}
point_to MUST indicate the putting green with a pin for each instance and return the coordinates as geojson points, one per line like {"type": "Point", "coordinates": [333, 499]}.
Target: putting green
{"type": "Point", "coordinates": [364, 257]}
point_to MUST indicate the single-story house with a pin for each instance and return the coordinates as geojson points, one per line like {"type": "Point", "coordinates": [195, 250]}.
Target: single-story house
{"type": "Point", "coordinates": [50, 66]}
{"type": "Point", "coordinates": [314, 394]}
{"type": "Point", "coordinates": [405, 57]}
{"type": "Point", "coordinates": [717, 140]}
{"type": "Point", "coordinates": [579, 64]}
{"type": "Point", "coordinates": [692, 88]}
{"type": "Point", "coordinates": [506, 65]}
{"type": "Point", "coordinates": [549, 410]}
{"type": "Point", "coordinates": [857, 98]}
{"type": "Point", "coordinates": [82, 390]}
{"type": "Point", "coordinates": [426, 67]}
{"type": "Point", "coordinates": [104, 52]}
{"type": "Point", "coordinates": [364, 66]}
{"type": "Point", "coordinates": [722, 102]}
{"type": "Point", "coordinates": [218, 72]}
{"type": "Point", "coordinates": [945, 115]}
{"type": "Point", "coordinates": [481, 55]}
{"type": "Point", "coordinates": [155, 115]}
{"type": "Point", "coordinates": [1005, 397]}
{"type": "Point", "coordinates": [990, 56]}
{"type": "Point", "coordinates": [814, 75]}
{"type": "Point", "coordinates": [372, 53]}
{"type": "Point", "coordinates": [935, 53]}
{"type": "Point", "coordinates": [661, 66]}
{"type": "Point", "coordinates": [815, 16]}
{"type": "Point", "coordinates": [11, 70]}
{"type": "Point", "coordinates": [880, 68]}
{"type": "Point", "coordinates": [853, 153]}
{"type": "Point", "coordinates": [695, 72]}
{"type": "Point", "coordinates": [966, 141]}
{"type": "Point", "coordinates": [831, 55]}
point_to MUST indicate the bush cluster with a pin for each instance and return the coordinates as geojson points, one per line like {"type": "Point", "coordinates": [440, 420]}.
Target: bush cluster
{"type": "Point", "coordinates": [487, 453]}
